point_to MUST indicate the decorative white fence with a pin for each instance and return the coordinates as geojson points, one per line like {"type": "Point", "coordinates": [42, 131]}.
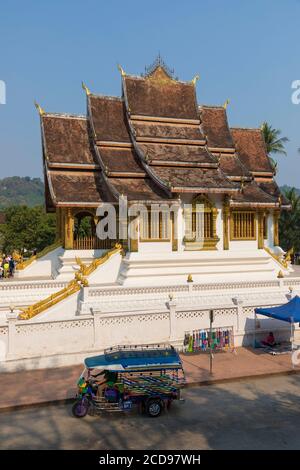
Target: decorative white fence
{"type": "Point", "coordinates": [35, 344]}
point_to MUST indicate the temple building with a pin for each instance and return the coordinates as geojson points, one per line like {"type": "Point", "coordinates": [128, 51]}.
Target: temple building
{"type": "Point", "coordinates": [202, 211]}
{"type": "Point", "coordinates": [157, 145]}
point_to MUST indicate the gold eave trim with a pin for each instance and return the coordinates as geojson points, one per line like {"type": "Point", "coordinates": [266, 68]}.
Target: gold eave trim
{"type": "Point", "coordinates": [78, 204]}
{"type": "Point", "coordinates": [255, 204]}
{"type": "Point", "coordinates": [122, 174]}
{"type": "Point", "coordinates": [182, 164]}
{"type": "Point", "coordinates": [155, 201]}
{"type": "Point", "coordinates": [153, 140]}
{"type": "Point", "coordinates": [81, 166]}
{"type": "Point", "coordinates": [202, 190]}
{"type": "Point", "coordinates": [221, 150]}
{"type": "Point", "coordinates": [101, 143]}
{"type": "Point", "coordinates": [137, 117]}
{"type": "Point", "coordinates": [262, 173]}
{"type": "Point", "coordinates": [239, 178]}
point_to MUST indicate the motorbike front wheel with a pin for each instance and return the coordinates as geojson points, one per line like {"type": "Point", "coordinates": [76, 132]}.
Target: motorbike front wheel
{"type": "Point", "coordinates": [80, 408]}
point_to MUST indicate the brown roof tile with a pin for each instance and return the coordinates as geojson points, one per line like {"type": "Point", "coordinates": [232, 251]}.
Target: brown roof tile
{"type": "Point", "coordinates": [120, 159]}
{"type": "Point", "coordinates": [177, 153]}
{"type": "Point", "coordinates": [215, 127]}
{"type": "Point", "coordinates": [66, 140]}
{"type": "Point", "coordinates": [231, 165]}
{"type": "Point", "coordinates": [251, 149]}
{"type": "Point", "coordinates": [200, 178]}
{"type": "Point", "coordinates": [78, 187]}
{"type": "Point", "coordinates": [272, 188]}
{"type": "Point", "coordinates": [253, 194]}
{"type": "Point", "coordinates": [167, 131]}
{"type": "Point", "coordinates": [108, 118]}
{"type": "Point", "coordinates": [168, 98]}
{"type": "Point", "coordinates": [138, 189]}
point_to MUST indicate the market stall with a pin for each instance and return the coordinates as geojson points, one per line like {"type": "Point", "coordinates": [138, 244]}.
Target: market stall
{"type": "Point", "coordinates": [289, 312]}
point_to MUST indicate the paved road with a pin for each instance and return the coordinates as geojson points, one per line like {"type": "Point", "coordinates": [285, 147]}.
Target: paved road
{"type": "Point", "coordinates": [253, 414]}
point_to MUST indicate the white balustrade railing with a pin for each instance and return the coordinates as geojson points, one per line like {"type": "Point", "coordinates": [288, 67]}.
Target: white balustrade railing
{"type": "Point", "coordinates": [55, 341]}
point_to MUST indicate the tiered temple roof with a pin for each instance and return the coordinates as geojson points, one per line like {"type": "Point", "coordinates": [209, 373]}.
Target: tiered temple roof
{"type": "Point", "coordinates": [151, 145]}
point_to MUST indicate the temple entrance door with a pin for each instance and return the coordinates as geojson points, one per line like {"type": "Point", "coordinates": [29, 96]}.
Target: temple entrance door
{"type": "Point", "coordinates": [85, 237]}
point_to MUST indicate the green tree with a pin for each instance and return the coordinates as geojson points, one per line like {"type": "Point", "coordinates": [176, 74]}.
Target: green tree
{"type": "Point", "coordinates": [275, 144]}
{"type": "Point", "coordinates": [289, 223]}
{"type": "Point", "coordinates": [27, 228]}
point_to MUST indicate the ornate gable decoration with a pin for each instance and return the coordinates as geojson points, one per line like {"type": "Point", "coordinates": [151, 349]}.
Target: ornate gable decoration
{"type": "Point", "coordinates": [159, 70]}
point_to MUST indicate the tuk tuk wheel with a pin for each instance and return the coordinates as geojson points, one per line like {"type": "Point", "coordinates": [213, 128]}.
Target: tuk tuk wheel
{"type": "Point", "coordinates": [154, 408]}
{"type": "Point", "coordinates": [80, 408]}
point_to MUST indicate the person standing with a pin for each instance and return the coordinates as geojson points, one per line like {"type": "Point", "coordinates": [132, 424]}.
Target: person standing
{"type": "Point", "coordinates": [11, 266]}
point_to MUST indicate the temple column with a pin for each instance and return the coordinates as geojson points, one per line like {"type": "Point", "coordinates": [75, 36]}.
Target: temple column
{"type": "Point", "coordinates": [58, 224]}
{"type": "Point", "coordinates": [226, 213]}
{"type": "Point", "coordinates": [69, 225]}
{"type": "Point", "coordinates": [276, 216]}
{"type": "Point", "coordinates": [214, 222]}
{"type": "Point", "coordinates": [174, 222]}
{"type": "Point", "coordinates": [260, 216]}
{"type": "Point", "coordinates": [134, 234]}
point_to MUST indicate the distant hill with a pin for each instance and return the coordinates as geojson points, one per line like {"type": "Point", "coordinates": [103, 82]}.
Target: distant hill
{"type": "Point", "coordinates": [18, 190]}
{"type": "Point", "coordinates": [285, 187]}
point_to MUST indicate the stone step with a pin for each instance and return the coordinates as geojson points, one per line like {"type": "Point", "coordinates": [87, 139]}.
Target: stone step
{"type": "Point", "coordinates": [203, 266]}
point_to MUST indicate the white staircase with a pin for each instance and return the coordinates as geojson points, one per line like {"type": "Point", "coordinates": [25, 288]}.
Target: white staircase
{"type": "Point", "coordinates": [207, 266]}
{"type": "Point", "coordinates": [68, 262]}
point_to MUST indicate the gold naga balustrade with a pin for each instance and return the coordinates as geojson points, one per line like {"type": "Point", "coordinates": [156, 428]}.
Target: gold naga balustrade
{"type": "Point", "coordinates": [283, 262]}
{"type": "Point", "coordinates": [24, 264]}
{"type": "Point", "coordinates": [53, 299]}
{"type": "Point", "coordinates": [86, 270]}
{"type": "Point", "coordinates": [71, 288]}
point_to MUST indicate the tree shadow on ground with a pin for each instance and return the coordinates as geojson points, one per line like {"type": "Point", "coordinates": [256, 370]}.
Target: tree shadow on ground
{"type": "Point", "coordinates": [253, 414]}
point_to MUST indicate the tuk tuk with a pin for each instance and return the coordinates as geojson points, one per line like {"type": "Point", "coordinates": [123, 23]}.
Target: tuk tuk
{"type": "Point", "coordinates": [149, 377]}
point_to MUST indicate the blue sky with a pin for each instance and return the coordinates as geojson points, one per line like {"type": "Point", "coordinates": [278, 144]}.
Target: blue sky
{"type": "Point", "coordinates": [247, 51]}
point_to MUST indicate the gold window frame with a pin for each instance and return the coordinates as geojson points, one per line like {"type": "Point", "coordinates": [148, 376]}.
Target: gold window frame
{"type": "Point", "coordinates": [159, 239]}
{"type": "Point", "coordinates": [243, 220]}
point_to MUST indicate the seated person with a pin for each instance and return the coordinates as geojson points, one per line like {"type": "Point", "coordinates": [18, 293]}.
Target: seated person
{"type": "Point", "coordinates": [269, 341]}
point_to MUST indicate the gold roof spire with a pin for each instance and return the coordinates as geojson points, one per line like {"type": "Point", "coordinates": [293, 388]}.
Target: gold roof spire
{"type": "Point", "coordinates": [85, 88]}
{"type": "Point", "coordinates": [121, 70]}
{"type": "Point", "coordinates": [195, 79]}
{"type": "Point", "coordinates": [226, 104]}
{"type": "Point", "coordinates": [41, 111]}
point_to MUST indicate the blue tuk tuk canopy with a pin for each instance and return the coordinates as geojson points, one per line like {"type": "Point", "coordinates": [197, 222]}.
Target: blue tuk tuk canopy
{"type": "Point", "coordinates": [125, 360]}
{"type": "Point", "coordinates": [289, 312]}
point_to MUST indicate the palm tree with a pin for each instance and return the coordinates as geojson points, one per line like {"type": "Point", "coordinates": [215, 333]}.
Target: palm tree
{"type": "Point", "coordinates": [289, 223]}
{"type": "Point", "coordinates": [274, 143]}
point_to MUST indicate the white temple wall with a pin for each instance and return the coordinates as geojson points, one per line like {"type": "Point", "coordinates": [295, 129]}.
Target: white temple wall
{"type": "Point", "coordinates": [47, 342]}
{"type": "Point", "coordinates": [45, 267]}
{"type": "Point", "coordinates": [155, 247]}
{"type": "Point", "coordinates": [219, 205]}
{"type": "Point", "coordinates": [270, 240]}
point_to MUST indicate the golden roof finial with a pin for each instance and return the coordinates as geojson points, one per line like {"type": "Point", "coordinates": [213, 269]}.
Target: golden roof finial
{"type": "Point", "coordinates": [121, 70]}
{"type": "Point", "coordinates": [41, 111]}
{"type": "Point", "coordinates": [242, 184]}
{"type": "Point", "coordinates": [195, 79]}
{"type": "Point", "coordinates": [85, 88]}
{"type": "Point", "coordinates": [226, 104]}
